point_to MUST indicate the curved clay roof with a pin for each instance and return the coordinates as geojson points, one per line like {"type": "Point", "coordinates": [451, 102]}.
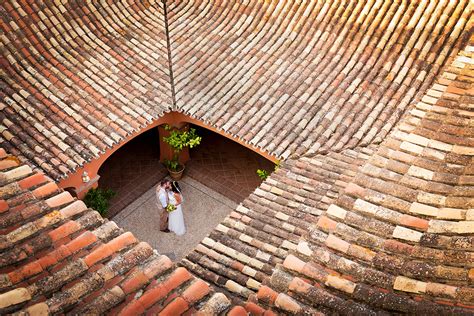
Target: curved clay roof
{"type": "Point", "coordinates": [77, 78]}
{"type": "Point", "coordinates": [59, 256]}
{"type": "Point", "coordinates": [288, 77]}
{"type": "Point", "coordinates": [308, 76]}
{"type": "Point", "coordinates": [373, 212]}
{"type": "Point", "coordinates": [400, 235]}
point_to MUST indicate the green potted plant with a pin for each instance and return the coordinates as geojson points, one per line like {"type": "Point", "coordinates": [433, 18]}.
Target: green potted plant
{"type": "Point", "coordinates": [178, 140]}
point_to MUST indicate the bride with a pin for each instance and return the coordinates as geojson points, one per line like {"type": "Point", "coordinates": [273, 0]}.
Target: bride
{"type": "Point", "coordinates": [176, 218]}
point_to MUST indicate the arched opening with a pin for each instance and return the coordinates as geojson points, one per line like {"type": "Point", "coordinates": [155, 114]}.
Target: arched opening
{"type": "Point", "coordinates": [219, 163]}
{"type": "Point", "coordinates": [220, 174]}
{"type": "Point", "coordinates": [132, 170]}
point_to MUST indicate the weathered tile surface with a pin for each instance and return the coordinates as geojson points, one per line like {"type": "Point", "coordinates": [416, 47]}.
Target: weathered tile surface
{"type": "Point", "coordinates": [369, 102]}
{"type": "Point", "coordinates": [78, 77]}
{"type": "Point", "coordinates": [58, 256]}
{"type": "Point", "coordinates": [308, 76]}
{"type": "Point", "coordinates": [288, 77]}
{"type": "Point", "coordinates": [399, 237]}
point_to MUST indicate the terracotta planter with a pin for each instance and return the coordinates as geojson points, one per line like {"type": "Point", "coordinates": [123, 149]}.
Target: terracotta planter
{"type": "Point", "coordinates": [176, 175]}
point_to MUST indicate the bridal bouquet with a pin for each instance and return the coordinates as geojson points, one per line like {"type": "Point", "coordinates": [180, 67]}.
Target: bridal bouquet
{"type": "Point", "coordinates": [170, 208]}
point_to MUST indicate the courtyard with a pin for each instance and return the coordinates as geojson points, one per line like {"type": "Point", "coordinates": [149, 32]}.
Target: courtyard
{"type": "Point", "coordinates": [203, 209]}
{"type": "Point", "coordinates": [220, 174]}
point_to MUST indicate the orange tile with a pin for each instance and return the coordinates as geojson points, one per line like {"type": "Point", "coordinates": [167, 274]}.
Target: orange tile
{"type": "Point", "coordinates": [254, 309]}
{"type": "Point", "coordinates": [298, 285]}
{"type": "Point", "coordinates": [84, 240]}
{"type": "Point", "coordinates": [326, 223]}
{"type": "Point", "coordinates": [64, 230]}
{"type": "Point", "coordinates": [133, 308]}
{"type": "Point", "coordinates": [153, 295]}
{"type": "Point", "coordinates": [163, 289]}
{"type": "Point", "coordinates": [267, 295]}
{"type": "Point", "coordinates": [100, 253]}
{"type": "Point", "coordinates": [415, 222]}
{"type": "Point", "coordinates": [237, 265]}
{"type": "Point", "coordinates": [48, 260]}
{"type": "Point", "coordinates": [45, 190]}
{"type": "Point", "coordinates": [108, 249]}
{"type": "Point", "coordinates": [60, 199]}
{"type": "Point", "coordinates": [471, 274]}
{"type": "Point", "coordinates": [196, 291]}
{"type": "Point", "coordinates": [3, 206]}
{"type": "Point", "coordinates": [237, 311]}
{"type": "Point", "coordinates": [33, 180]}
{"type": "Point", "coordinates": [179, 276]}
{"type": "Point", "coordinates": [121, 241]}
{"type": "Point", "coordinates": [176, 307]}
{"type": "Point", "coordinates": [25, 272]}
{"type": "Point", "coordinates": [134, 282]}
{"type": "Point", "coordinates": [7, 163]}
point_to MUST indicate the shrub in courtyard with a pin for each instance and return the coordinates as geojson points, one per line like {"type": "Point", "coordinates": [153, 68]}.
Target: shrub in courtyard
{"type": "Point", "coordinates": [263, 174]}
{"type": "Point", "coordinates": [98, 199]}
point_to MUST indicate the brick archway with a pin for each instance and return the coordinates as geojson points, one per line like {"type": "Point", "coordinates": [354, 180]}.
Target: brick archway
{"type": "Point", "coordinates": [91, 170]}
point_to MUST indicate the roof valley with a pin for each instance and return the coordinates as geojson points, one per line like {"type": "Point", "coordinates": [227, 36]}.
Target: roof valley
{"type": "Point", "coordinates": [170, 63]}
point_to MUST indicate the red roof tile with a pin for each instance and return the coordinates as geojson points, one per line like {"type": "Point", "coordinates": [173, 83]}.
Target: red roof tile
{"type": "Point", "coordinates": [308, 77]}
{"type": "Point", "coordinates": [371, 212]}
{"type": "Point", "coordinates": [65, 59]}
{"type": "Point", "coordinates": [291, 77]}
{"type": "Point", "coordinates": [395, 238]}
{"type": "Point", "coordinates": [71, 259]}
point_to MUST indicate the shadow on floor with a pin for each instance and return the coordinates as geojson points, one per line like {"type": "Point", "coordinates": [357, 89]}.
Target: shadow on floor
{"type": "Point", "coordinates": [226, 166]}
{"type": "Point", "coordinates": [219, 163]}
{"type": "Point", "coordinates": [203, 209]}
{"type": "Point", "coordinates": [132, 170]}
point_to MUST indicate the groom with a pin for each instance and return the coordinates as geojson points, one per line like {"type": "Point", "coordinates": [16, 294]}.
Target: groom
{"type": "Point", "coordinates": [162, 201]}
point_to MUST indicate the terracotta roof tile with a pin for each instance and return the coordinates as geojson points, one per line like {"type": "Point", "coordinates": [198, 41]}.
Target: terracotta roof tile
{"type": "Point", "coordinates": [371, 100]}
{"type": "Point", "coordinates": [381, 241]}
{"type": "Point", "coordinates": [241, 253]}
{"type": "Point", "coordinates": [71, 58]}
{"type": "Point", "coordinates": [251, 72]}
{"type": "Point", "coordinates": [61, 60]}
{"type": "Point", "coordinates": [71, 259]}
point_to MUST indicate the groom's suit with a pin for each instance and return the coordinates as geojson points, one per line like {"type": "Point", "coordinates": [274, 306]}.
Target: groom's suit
{"type": "Point", "coordinates": [162, 200]}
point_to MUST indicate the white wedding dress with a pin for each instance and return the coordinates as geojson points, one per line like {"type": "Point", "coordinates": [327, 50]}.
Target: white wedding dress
{"type": "Point", "coordinates": [176, 218]}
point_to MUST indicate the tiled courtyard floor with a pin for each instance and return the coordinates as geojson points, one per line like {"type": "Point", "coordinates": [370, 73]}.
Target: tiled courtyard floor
{"type": "Point", "coordinates": [219, 163]}
{"type": "Point", "coordinates": [203, 209]}
{"type": "Point", "coordinates": [226, 166]}
{"type": "Point", "coordinates": [132, 170]}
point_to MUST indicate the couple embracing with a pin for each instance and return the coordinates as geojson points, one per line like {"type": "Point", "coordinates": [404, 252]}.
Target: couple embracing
{"type": "Point", "coordinates": [169, 198]}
